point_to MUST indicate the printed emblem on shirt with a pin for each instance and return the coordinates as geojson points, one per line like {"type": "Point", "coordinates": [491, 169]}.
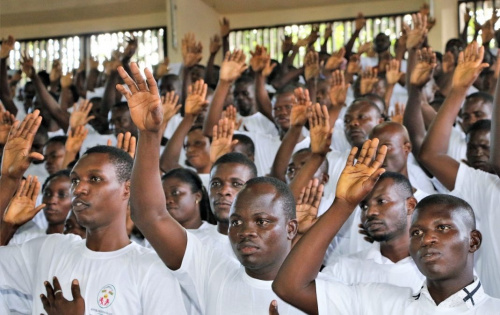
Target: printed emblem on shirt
{"type": "Point", "coordinates": [106, 296]}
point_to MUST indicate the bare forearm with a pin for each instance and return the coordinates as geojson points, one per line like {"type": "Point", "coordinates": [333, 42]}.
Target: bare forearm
{"type": "Point", "coordinates": [283, 80]}
{"type": "Point", "coordinates": [387, 97]}
{"type": "Point", "coordinates": [7, 232]}
{"type": "Point", "coordinates": [170, 156]}
{"type": "Point", "coordinates": [413, 119]}
{"type": "Point", "coordinates": [280, 164]}
{"type": "Point", "coordinates": [109, 96]}
{"type": "Point", "coordinates": [66, 98]}
{"type": "Point", "coordinates": [209, 73]}
{"type": "Point", "coordinates": [225, 45]}
{"type": "Point", "coordinates": [60, 116]}
{"type": "Point", "coordinates": [350, 43]}
{"type": "Point", "coordinates": [91, 82]}
{"type": "Point", "coordinates": [147, 202]}
{"type": "Point", "coordinates": [216, 107]}
{"type": "Point", "coordinates": [5, 96]}
{"type": "Point", "coordinates": [263, 101]}
{"type": "Point", "coordinates": [305, 174]}
{"type": "Point", "coordinates": [8, 187]}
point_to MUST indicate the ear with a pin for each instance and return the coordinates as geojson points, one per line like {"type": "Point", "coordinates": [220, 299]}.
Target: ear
{"type": "Point", "coordinates": [411, 203]}
{"type": "Point", "coordinates": [407, 147]}
{"type": "Point", "coordinates": [324, 178]}
{"type": "Point", "coordinates": [126, 190]}
{"type": "Point", "coordinates": [198, 197]}
{"type": "Point", "coordinates": [292, 228]}
{"type": "Point", "coordinates": [476, 238]}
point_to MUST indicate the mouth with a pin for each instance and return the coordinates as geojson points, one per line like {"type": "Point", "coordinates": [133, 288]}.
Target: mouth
{"type": "Point", "coordinates": [223, 204]}
{"type": "Point", "coordinates": [429, 256]}
{"type": "Point", "coordinates": [247, 248]}
{"type": "Point", "coordinates": [356, 133]}
{"type": "Point", "coordinates": [374, 225]}
{"type": "Point", "coordinates": [79, 205]}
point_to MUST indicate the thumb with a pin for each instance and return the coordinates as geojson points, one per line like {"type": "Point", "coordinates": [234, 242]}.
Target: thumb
{"type": "Point", "coordinates": [89, 119]}
{"type": "Point", "coordinates": [40, 207]}
{"type": "Point", "coordinates": [273, 308]}
{"type": "Point", "coordinates": [35, 156]}
{"type": "Point", "coordinates": [75, 289]}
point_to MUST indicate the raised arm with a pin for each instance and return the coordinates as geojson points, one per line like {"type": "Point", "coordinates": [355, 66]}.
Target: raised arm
{"type": "Point", "coordinates": [147, 200]}
{"type": "Point", "coordinates": [433, 153]}
{"type": "Point", "coordinates": [231, 69]}
{"type": "Point", "coordinates": [5, 97]}
{"type": "Point", "coordinates": [215, 45]}
{"type": "Point", "coordinates": [295, 282]}
{"type": "Point", "coordinates": [195, 103]}
{"type": "Point", "coordinates": [359, 23]}
{"type": "Point", "coordinates": [259, 61]}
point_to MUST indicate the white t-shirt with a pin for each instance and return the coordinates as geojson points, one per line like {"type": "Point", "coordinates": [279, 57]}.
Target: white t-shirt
{"type": "Point", "coordinates": [370, 266]}
{"type": "Point", "coordinates": [26, 232]}
{"type": "Point", "coordinates": [482, 191]}
{"type": "Point", "coordinates": [417, 176]}
{"type": "Point", "coordinates": [95, 138]}
{"type": "Point", "coordinates": [258, 123]}
{"type": "Point", "coordinates": [266, 147]}
{"type": "Point", "coordinates": [209, 236]}
{"type": "Point", "coordinates": [221, 286]}
{"type": "Point", "coordinates": [377, 299]}
{"type": "Point", "coordinates": [457, 147]}
{"type": "Point", "coordinates": [131, 280]}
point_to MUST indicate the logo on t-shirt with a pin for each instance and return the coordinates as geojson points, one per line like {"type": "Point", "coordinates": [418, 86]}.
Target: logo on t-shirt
{"type": "Point", "coordinates": [106, 296]}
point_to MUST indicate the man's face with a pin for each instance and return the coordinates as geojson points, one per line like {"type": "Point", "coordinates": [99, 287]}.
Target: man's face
{"type": "Point", "coordinates": [383, 212]}
{"type": "Point", "coordinates": [478, 150]}
{"type": "Point", "coordinates": [57, 199]}
{"type": "Point", "coordinates": [197, 149]}
{"type": "Point", "coordinates": [122, 122]}
{"type": "Point", "coordinates": [323, 93]}
{"type": "Point", "coordinates": [382, 43]}
{"type": "Point", "coordinates": [298, 160]}
{"type": "Point", "coordinates": [282, 109]}
{"type": "Point", "coordinates": [226, 180]}
{"type": "Point", "coordinates": [244, 98]}
{"type": "Point", "coordinates": [398, 147]}
{"type": "Point", "coordinates": [97, 192]}
{"type": "Point", "coordinates": [54, 156]}
{"type": "Point", "coordinates": [359, 121]}
{"type": "Point", "coordinates": [170, 83]}
{"type": "Point", "coordinates": [439, 242]}
{"type": "Point", "coordinates": [475, 109]}
{"type": "Point", "coordinates": [258, 229]}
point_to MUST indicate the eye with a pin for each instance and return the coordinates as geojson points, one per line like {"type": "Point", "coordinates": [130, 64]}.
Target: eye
{"type": "Point", "coordinates": [415, 233]}
{"type": "Point", "coordinates": [235, 222]}
{"type": "Point", "coordinates": [262, 222]}
{"type": "Point", "coordinates": [381, 201]}
{"type": "Point", "coordinates": [175, 193]}
{"type": "Point", "coordinates": [443, 227]}
{"type": "Point", "coordinates": [75, 181]}
{"type": "Point", "coordinates": [95, 179]}
{"type": "Point", "coordinates": [363, 206]}
{"type": "Point", "coordinates": [214, 184]}
{"type": "Point", "coordinates": [237, 184]}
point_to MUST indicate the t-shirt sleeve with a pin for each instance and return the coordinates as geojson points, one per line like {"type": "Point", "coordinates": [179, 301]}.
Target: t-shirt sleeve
{"type": "Point", "coordinates": [17, 266]}
{"type": "Point", "coordinates": [161, 292]}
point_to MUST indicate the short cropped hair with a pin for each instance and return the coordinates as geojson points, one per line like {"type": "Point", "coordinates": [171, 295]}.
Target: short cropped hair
{"type": "Point", "coordinates": [486, 97]}
{"type": "Point", "coordinates": [246, 141]}
{"type": "Point", "coordinates": [480, 125]}
{"type": "Point", "coordinates": [282, 191]}
{"type": "Point", "coordinates": [120, 159]}
{"type": "Point", "coordinates": [449, 200]}
{"type": "Point", "coordinates": [61, 173]}
{"type": "Point", "coordinates": [238, 158]}
{"type": "Point", "coordinates": [369, 102]}
{"type": "Point", "coordinates": [402, 183]}
{"type": "Point", "coordinates": [56, 139]}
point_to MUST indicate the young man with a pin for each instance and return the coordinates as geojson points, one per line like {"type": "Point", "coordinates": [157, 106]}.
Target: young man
{"type": "Point", "coordinates": [385, 216]}
{"type": "Point", "coordinates": [472, 181]}
{"type": "Point", "coordinates": [262, 223]}
{"type": "Point", "coordinates": [443, 239]}
{"type": "Point", "coordinates": [108, 281]}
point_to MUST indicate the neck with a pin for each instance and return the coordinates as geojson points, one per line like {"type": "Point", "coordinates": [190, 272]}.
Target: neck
{"type": "Point", "coordinates": [55, 229]}
{"type": "Point", "coordinates": [396, 249]}
{"type": "Point", "coordinates": [192, 224]}
{"type": "Point", "coordinates": [404, 172]}
{"type": "Point", "coordinates": [269, 272]}
{"type": "Point", "coordinates": [205, 169]}
{"type": "Point", "coordinates": [440, 290]}
{"type": "Point", "coordinates": [108, 238]}
{"type": "Point", "coordinates": [222, 227]}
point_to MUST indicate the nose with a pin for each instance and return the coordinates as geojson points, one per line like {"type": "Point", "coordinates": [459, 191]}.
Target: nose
{"type": "Point", "coordinates": [246, 230]}
{"type": "Point", "coordinates": [50, 200]}
{"type": "Point", "coordinates": [354, 122]}
{"type": "Point", "coordinates": [226, 190]}
{"type": "Point", "coordinates": [79, 189]}
{"type": "Point", "coordinates": [428, 239]}
{"type": "Point", "coordinates": [372, 212]}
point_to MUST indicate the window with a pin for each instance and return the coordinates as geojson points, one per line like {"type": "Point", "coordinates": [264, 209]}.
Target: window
{"type": "Point", "coordinates": [271, 36]}
{"type": "Point", "coordinates": [72, 50]}
{"type": "Point", "coordinates": [481, 11]}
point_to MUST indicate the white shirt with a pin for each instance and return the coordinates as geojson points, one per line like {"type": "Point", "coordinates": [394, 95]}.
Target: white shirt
{"type": "Point", "coordinates": [38, 170]}
{"type": "Point", "coordinates": [418, 178]}
{"type": "Point", "coordinates": [26, 232]}
{"type": "Point", "coordinates": [258, 123]}
{"type": "Point", "coordinates": [370, 266]}
{"type": "Point", "coordinates": [221, 286]}
{"type": "Point", "coordinates": [94, 138]}
{"type": "Point", "coordinates": [457, 147]}
{"type": "Point", "coordinates": [131, 280]}
{"type": "Point", "coordinates": [209, 236]}
{"type": "Point", "coordinates": [377, 299]}
{"type": "Point", "coordinates": [482, 191]}
{"type": "Point", "coordinates": [266, 147]}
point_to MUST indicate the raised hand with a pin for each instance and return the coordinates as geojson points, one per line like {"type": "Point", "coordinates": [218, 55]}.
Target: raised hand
{"type": "Point", "coordinates": [470, 65]}
{"type": "Point", "coordinates": [365, 47]}
{"type": "Point", "coordinates": [335, 60]}
{"type": "Point", "coordinates": [368, 80]}
{"type": "Point", "coordinates": [397, 114]}
{"type": "Point", "coordinates": [6, 121]}
{"type": "Point", "coordinates": [301, 107]}
{"type": "Point", "coordinates": [66, 80]}
{"type": "Point", "coordinates": [80, 115]}
{"type": "Point", "coordinates": [311, 65]}
{"type": "Point", "coordinates": [467, 16]}
{"type": "Point", "coordinates": [259, 58]}
{"type": "Point", "coordinates": [392, 73]}
{"type": "Point", "coordinates": [191, 51]}
{"type": "Point", "coordinates": [422, 72]}
{"type": "Point", "coordinates": [308, 205]}
{"type": "Point", "coordinates": [196, 98]}
{"type": "Point", "coordinates": [488, 33]}
{"type": "Point", "coordinates": [143, 99]}
{"type": "Point", "coordinates": [7, 46]}
{"type": "Point", "coordinates": [224, 27]}
{"type": "Point", "coordinates": [233, 66]}
{"type": "Point", "coordinates": [54, 302]}
{"type": "Point", "coordinates": [448, 62]}
{"type": "Point", "coordinates": [230, 114]}
{"type": "Point", "coordinates": [21, 208]}
{"type": "Point", "coordinates": [170, 105]}
{"type": "Point", "coordinates": [268, 69]}
{"type": "Point", "coordinates": [338, 89]}
{"type": "Point", "coordinates": [354, 64]}
{"type": "Point", "coordinates": [131, 47]}
{"type": "Point", "coordinates": [417, 34]}
{"type": "Point", "coordinates": [359, 178]}
{"type": "Point", "coordinates": [215, 44]}
{"type": "Point", "coordinates": [360, 22]}
{"type": "Point", "coordinates": [27, 64]}
{"type": "Point", "coordinates": [320, 130]}
{"type": "Point", "coordinates": [56, 71]}
{"type": "Point", "coordinates": [93, 63]}
{"type": "Point", "coordinates": [75, 139]}
{"type": "Point", "coordinates": [222, 141]}
{"type": "Point", "coordinates": [163, 68]}
{"type": "Point", "coordinates": [328, 31]}
{"type": "Point", "coordinates": [125, 142]}
{"type": "Point", "coordinates": [16, 154]}
{"type": "Point", "coordinates": [286, 44]}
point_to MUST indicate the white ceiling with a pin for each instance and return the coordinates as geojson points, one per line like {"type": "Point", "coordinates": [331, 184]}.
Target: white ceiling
{"type": "Point", "coordinates": [241, 6]}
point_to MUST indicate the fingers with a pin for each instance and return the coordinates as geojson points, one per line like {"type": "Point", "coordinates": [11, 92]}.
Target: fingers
{"type": "Point", "coordinates": [128, 81]}
{"type": "Point", "coordinates": [273, 308]}
{"type": "Point", "coordinates": [139, 80]}
{"type": "Point", "coordinates": [351, 157]}
{"type": "Point", "coordinates": [57, 288]}
{"type": "Point", "coordinates": [50, 292]}
{"type": "Point", "coordinates": [75, 290]}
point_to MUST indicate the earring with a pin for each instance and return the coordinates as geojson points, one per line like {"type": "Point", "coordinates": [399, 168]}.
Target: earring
{"type": "Point", "coordinates": [197, 201]}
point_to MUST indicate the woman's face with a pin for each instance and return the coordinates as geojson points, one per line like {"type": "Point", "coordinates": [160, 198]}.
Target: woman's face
{"type": "Point", "coordinates": [57, 198]}
{"type": "Point", "coordinates": [182, 203]}
{"type": "Point", "coordinates": [197, 149]}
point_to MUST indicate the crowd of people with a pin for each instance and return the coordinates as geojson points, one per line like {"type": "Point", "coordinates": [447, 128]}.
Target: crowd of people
{"type": "Point", "coordinates": [363, 182]}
